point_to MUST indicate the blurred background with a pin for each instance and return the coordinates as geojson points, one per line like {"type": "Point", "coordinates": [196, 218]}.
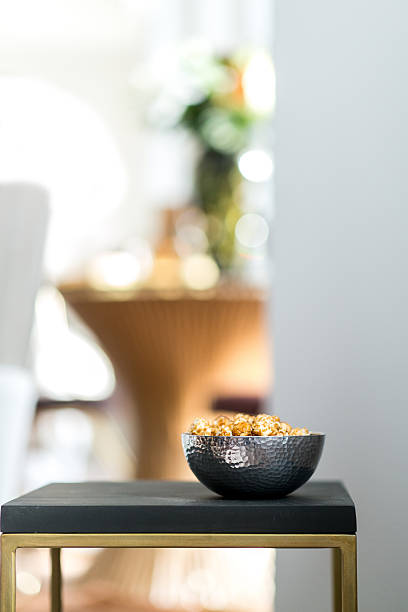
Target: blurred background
{"type": "Point", "coordinates": [137, 211]}
{"type": "Point", "coordinates": [138, 241]}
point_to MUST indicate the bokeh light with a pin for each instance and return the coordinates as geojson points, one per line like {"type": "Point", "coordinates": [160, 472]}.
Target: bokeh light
{"type": "Point", "coordinates": [256, 165]}
{"type": "Point", "coordinates": [199, 272]}
{"type": "Point", "coordinates": [190, 239]}
{"type": "Point", "coordinates": [27, 583]}
{"type": "Point", "coordinates": [252, 230]}
{"type": "Point", "coordinates": [258, 82]}
{"type": "Point", "coordinates": [116, 269]}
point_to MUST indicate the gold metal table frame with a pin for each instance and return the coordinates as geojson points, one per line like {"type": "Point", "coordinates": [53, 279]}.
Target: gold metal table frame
{"type": "Point", "coordinates": [343, 547]}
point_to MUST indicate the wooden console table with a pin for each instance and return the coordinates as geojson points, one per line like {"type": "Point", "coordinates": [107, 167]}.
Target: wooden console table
{"type": "Point", "coordinates": [174, 351]}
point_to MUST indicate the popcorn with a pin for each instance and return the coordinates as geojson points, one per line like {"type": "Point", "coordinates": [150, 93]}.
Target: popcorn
{"type": "Point", "coordinates": [201, 427]}
{"type": "Point", "coordinates": [285, 428]}
{"type": "Point", "coordinates": [241, 427]}
{"type": "Point", "coordinates": [267, 416]}
{"type": "Point", "coordinates": [262, 415]}
{"type": "Point", "coordinates": [300, 431]}
{"type": "Point", "coordinates": [245, 425]}
{"type": "Point", "coordinates": [265, 426]}
{"type": "Point", "coordinates": [222, 430]}
{"type": "Point", "coordinates": [221, 421]}
{"type": "Point", "coordinates": [241, 416]}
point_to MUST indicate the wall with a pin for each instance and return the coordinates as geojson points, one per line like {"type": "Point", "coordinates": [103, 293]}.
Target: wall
{"type": "Point", "coordinates": [341, 307]}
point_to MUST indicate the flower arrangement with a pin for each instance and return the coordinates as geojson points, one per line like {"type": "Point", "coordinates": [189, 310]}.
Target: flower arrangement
{"type": "Point", "coordinates": [232, 95]}
{"type": "Point", "coordinates": [219, 100]}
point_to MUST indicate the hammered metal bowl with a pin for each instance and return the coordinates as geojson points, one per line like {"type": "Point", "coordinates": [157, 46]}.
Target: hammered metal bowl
{"type": "Point", "coordinates": [253, 466]}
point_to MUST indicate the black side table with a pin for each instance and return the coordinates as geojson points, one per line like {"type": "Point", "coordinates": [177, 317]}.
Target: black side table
{"type": "Point", "coordinates": [144, 514]}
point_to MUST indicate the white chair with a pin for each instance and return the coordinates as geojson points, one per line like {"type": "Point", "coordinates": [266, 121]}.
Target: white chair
{"type": "Point", "coordinates": [23, 222]}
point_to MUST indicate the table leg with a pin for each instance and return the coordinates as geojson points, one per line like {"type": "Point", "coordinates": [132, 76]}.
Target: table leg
{"type": "Point", "coordinates": [56, 580]}
{"type": "Point", "coordinates": [336, 574]}
{"type": "Point", "coordinates": [8, 576]}
{"type": "Point", "coordinates": [349, 576]}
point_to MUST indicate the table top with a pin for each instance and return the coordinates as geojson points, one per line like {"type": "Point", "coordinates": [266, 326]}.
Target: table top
{"type": "Point", "coordinates": [82, 292]}
{"type": "Point", "coordinates": [176, 507]}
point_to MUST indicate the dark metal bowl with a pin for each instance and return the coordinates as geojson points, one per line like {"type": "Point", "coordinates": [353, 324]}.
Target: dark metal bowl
{"type": "Point", "coordinates": [253, 466]}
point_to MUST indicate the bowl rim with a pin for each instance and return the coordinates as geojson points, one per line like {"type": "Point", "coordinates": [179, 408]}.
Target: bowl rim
{"type": "Point", "coordinates": [312, 433]}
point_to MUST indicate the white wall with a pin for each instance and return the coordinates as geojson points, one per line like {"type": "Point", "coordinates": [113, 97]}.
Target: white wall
{"type": "Point", "coordinates": [341, 308]}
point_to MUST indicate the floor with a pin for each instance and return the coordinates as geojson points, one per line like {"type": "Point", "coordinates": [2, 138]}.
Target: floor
{"type": "Point", "coordinates": [99, 598]}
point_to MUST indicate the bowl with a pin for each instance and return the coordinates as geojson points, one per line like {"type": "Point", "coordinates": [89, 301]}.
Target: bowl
{"type": "Point", "coordinates": [253, 466]}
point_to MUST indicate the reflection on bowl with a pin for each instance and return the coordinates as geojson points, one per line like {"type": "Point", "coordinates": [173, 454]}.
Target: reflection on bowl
{"type": "Point", "coordinates": [252, 466]}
